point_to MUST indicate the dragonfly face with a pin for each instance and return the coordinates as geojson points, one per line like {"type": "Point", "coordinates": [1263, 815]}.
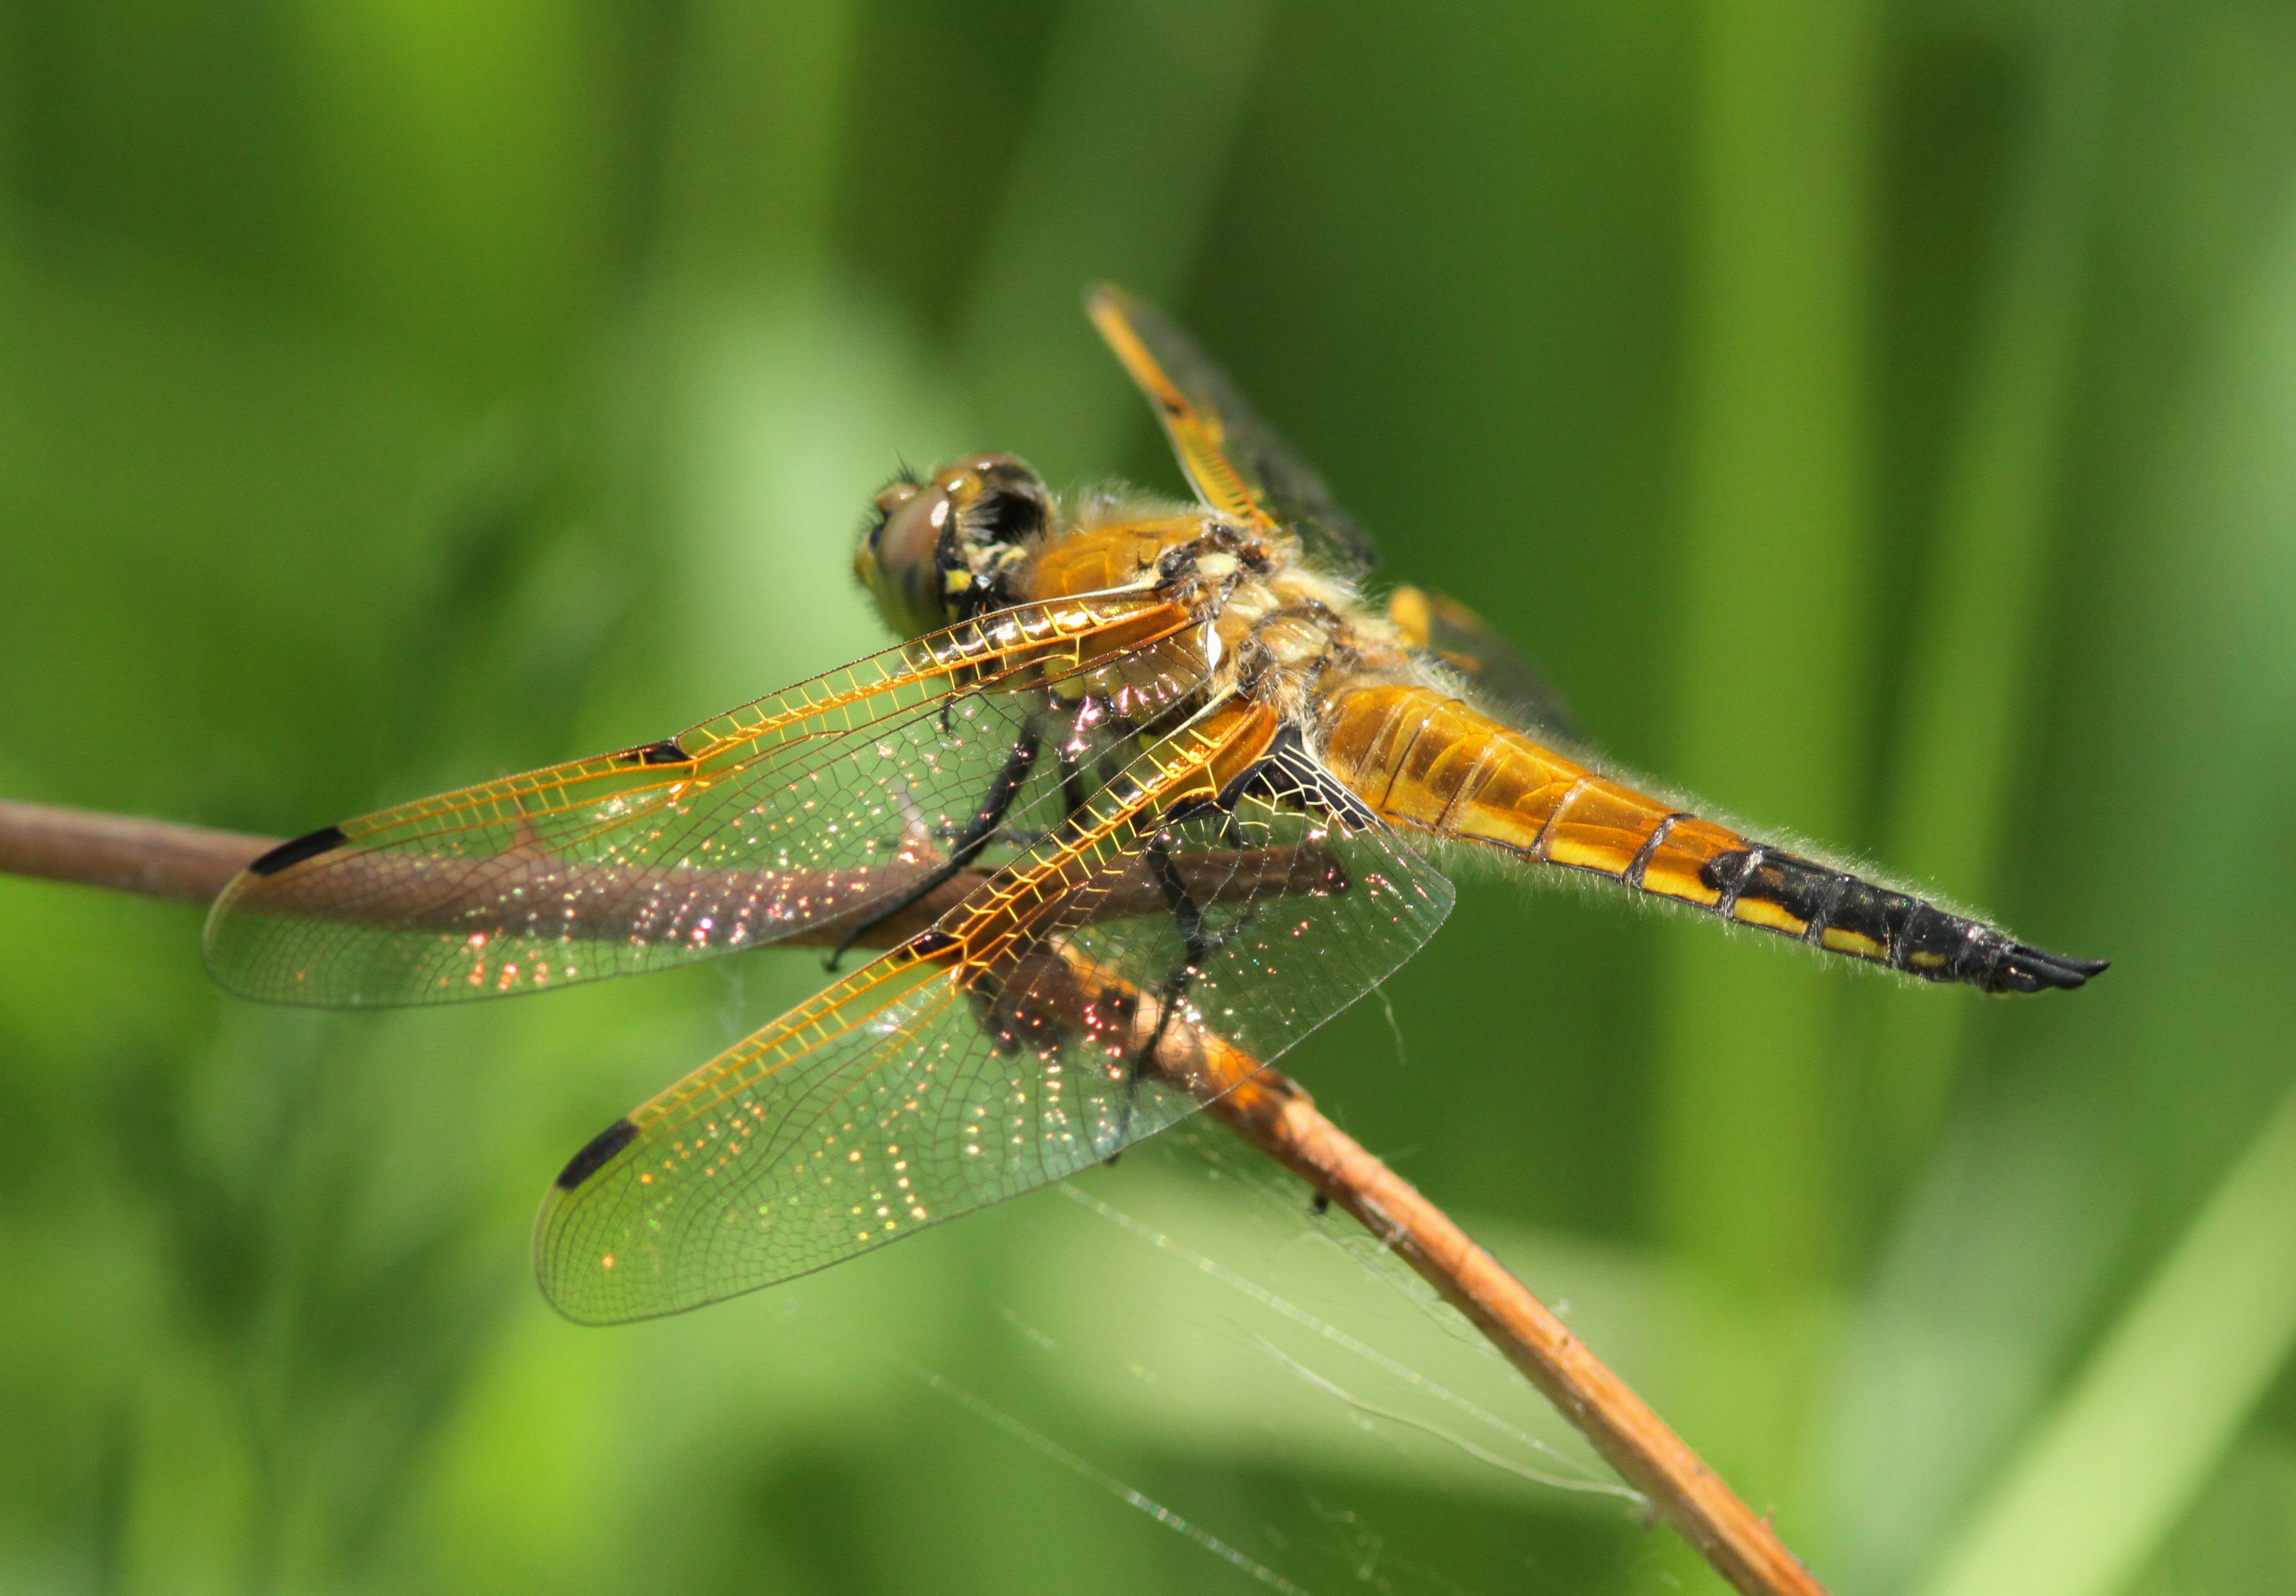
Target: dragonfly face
{"type": "Point", "coordinates": [1136, 807]}
{"type": "Point", "coordinates": [934, 551]}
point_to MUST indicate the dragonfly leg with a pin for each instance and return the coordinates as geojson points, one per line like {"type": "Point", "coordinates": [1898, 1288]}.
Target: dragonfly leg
{"type": "Point", "coordinates": [1089, 764]}
{"type": "Point", "coordinates": [977, 835]}
{"type": "Point", "coordinates": [1123, 733]}
{"type": "Point", "coordinates": [1189, 915]}
{"type": "Point", "coordinates": [1197, 945]}
{"type": "Point", "coordinates": [1070, 756]}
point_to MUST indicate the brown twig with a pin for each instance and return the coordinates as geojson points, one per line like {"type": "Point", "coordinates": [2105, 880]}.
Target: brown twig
{"type": "Point", "coordinates": [1279, 1118]}
{"type": "Point", "coordinates": [190, 864]}
{"type": "Point", "coordinates": [157, 859]}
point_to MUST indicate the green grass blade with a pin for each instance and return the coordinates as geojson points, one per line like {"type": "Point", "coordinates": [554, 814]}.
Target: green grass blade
{"type": "Point", "coordinates": [1125, 152]}
{"type": "Point", "coordinates": [2109, 1473]}
{"type": "Point", "coordinates": [1969, 672]}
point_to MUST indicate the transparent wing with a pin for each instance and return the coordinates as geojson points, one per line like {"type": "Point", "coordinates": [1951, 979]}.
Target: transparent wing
{"type": "Point", "coordinates": [1238, 465]}
{"type": "Point", "coordinates": [1516, 692]}
{"type": "Point", "coordinates": [818, 805]}
{"type": "Point", "coordinates": [1058, 1017]}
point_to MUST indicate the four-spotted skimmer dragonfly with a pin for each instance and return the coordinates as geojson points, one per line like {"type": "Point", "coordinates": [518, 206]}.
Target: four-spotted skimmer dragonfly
{"type": "Point", "coordinates": [1140, 804]}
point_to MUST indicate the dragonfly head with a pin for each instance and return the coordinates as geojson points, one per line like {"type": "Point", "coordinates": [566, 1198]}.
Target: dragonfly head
{"type": "Point", "coordinates": [932, 551]}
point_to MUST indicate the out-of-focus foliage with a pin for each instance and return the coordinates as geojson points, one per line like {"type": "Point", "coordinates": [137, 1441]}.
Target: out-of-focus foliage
{"type": "Point", "coordinates": [1881, 419]}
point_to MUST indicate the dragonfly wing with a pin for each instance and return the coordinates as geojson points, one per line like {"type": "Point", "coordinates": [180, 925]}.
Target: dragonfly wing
{"type": "Point", "coordinates": [799, 810]}
{"type": "Point", "coordinates": [1061, 1015]}
{"type": "Point", "coordinates": [1516, 692]}
{"type": "Point", "coordinates": [1237, 464]}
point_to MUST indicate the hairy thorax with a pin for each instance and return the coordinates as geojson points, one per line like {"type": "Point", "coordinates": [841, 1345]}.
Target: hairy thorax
{"type": "Point", "coordinates": [1275, 630]}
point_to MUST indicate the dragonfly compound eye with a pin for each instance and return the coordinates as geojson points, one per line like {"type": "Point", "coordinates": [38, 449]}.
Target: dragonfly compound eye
{"type": "Point", "coordinates": [902, 556]}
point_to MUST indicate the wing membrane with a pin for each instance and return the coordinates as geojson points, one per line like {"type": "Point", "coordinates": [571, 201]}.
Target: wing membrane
{"type": "Point", "coordinates": [1238, 465]}
{"type": "Point", "coordinates": [793, 812]}
{"type": "Point", "coordinates": [1030, 1035]}
{"type": "Point", "coordinates": [1515, 691]}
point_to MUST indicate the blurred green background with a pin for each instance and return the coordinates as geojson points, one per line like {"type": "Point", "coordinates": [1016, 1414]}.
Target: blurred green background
{"type": "Point", "coordinates": [1880, 418]}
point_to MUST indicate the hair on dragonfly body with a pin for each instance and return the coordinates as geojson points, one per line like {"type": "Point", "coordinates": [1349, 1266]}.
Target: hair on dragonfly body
{"type": "Point", "coordinates": [1250, 765]}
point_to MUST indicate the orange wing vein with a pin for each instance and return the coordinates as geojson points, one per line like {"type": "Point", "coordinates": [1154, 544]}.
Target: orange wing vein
{"type": "Point", "coordinates": [1027, 1036]}
{"type": "Point", "coordinates": [800, 810]}
{"type": "Point", "coordinates": [1238, 465]}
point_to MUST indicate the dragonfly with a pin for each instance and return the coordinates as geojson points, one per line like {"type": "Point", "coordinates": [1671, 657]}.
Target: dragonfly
{"type": "Point", "coordinates": [1145, 796]}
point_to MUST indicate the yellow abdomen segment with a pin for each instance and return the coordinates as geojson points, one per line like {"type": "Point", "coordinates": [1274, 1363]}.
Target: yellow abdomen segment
{"type": "Point", "coordinates": [1430, 763]}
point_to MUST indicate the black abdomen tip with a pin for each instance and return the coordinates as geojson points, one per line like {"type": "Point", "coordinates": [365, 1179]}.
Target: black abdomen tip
{"type": "Point", "coordinates": [2024, 969]}
{"type": "Point", "coordinates": [593, 1156]}
{"type": "Point", "coordinates": [323, 840]}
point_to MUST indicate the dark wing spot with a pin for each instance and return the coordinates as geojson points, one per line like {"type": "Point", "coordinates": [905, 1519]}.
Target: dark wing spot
{"type": "Point", "coordinates": [322, 840]}
{"type": "Point", "coordinates": [593, 1157]}
{"type": "Point", "coordinates": [1288, 777]}
{"type": "Point", "coordinates": [665, 752]}
{"type": "Point", "coordinates": [931, 944]}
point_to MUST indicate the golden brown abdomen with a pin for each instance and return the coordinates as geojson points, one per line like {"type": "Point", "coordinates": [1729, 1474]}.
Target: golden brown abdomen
{"type": "Point", "coordinates": [1429, 762]}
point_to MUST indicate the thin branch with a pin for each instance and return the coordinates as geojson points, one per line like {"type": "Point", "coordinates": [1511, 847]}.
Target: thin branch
{"type": "Point", "coordinates": [156, 859]}
{"type": "Point", "coordinates": [190, 864]}
{"type": "Point", "coordinates": [1277, 1115]}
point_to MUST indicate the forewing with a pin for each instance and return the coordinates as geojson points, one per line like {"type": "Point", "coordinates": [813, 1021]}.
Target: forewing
{"type": "Point", "coordinates": [1059, 1017]}
{"type": "Point", "coordinates": [789, 814]}
{"type": "Point", "coordinates": [1512, 687]}
{"type": "Point", "coordinates": [1238, 465]}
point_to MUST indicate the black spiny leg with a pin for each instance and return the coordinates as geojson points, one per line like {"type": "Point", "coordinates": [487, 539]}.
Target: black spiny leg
{"type": "Point", "coordinates": [1084, 771]}
{"type": "Point", "coordinates": [977, 835]}
{"type": "Point", "coordinates": [1189, 915]}
{"type": "Point", "coordinates": [1120, 732]}
{"type": "Point", "coordinates": [1069, 755]}
{"type": "Point", "coordinates": [1186, 912]}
